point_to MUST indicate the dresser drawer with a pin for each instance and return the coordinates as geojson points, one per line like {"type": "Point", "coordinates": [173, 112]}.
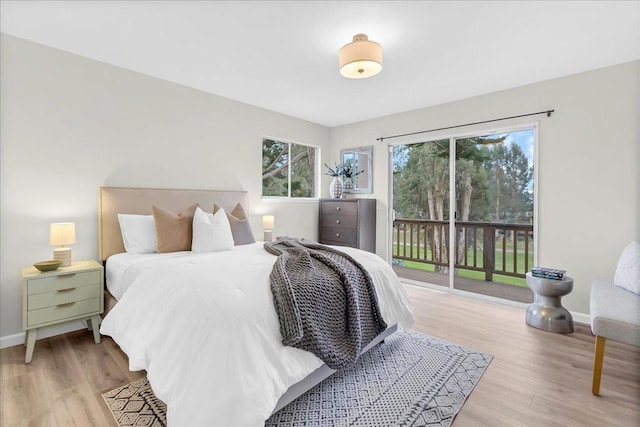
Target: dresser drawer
{"type": "Point", "coordinates": [63, 281]}
{"type": "Point", "coordinates": [49, 299]}
{"type": "Point", "coordinates": [65, 311]}
{"type": "Point", "coordinates": [340, 208]}
{"type": "Point", "coordinates": [338, 236]}
{"type": "Point", "coordinates": [339, 221]}
{"type": "Point", "coordinates": [348, 222]}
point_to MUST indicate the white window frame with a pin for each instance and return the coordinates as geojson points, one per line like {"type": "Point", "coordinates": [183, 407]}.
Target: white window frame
{"type": "Point", "coordinates": [453, 137]}
{"type": "Point", "coordinates": [316, 175]}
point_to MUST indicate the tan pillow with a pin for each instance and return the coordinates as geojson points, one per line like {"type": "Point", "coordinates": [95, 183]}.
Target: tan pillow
{"type": "Point", "coordinates": [174, 230]}
{"type": "Point", "coordinates": [240, 227]}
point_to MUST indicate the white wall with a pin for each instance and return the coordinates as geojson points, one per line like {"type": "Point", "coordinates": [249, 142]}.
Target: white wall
{"type": "Point", "coordinates": [588, 164]}
{"type": "Point", "coordinates": [70, 125]}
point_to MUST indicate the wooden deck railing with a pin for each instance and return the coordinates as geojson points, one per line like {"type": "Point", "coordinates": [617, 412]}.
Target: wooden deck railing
{"type": "Point", "coordinates": [493, 248]}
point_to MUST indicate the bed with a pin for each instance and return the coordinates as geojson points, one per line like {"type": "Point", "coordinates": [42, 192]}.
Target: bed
{"type": "Point", "coordinates": [203, 325]}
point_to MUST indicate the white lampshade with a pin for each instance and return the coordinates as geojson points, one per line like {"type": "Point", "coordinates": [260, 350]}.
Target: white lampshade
{"type": "Point", "coordinates": [268, 222]}
{"type": "Point", "coordinates": [361, 58]}
{"type": "Point", "coordinates": [62, 233]}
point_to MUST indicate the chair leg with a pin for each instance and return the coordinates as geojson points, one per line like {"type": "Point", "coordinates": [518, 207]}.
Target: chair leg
{"type": "Point", "coordinates": [598, 359]}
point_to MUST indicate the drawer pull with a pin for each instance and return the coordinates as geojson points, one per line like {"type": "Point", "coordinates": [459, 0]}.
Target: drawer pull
{"type": "Point", "coordinates": [337, 234]}
{"type": "Point", "coordinates": [66, 275]}
{"type": "Point", "coordinates": [337, 208]}
{"type": "Point", "coordinates": [66, 290]}
{"type": "Point", "coordinates": [67, 304]}
{"type": "Point", "coordinates": [337, 221]}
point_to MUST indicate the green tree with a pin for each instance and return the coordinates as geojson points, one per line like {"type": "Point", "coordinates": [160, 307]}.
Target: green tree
{"type": "Point", "coordinates": [510, 183]}
{"type": "Point", "coordinates": [493, 183]}
{"type": "Point", "coordinates": [421, 188]}
{"type": "Point", "coordinates": [275, 169]}
{"type": "Point", "coordinates": [421, 185]}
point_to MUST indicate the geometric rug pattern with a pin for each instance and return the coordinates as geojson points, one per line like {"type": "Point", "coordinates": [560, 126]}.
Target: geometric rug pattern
{"type": "Point", "coordinates": [135, 404]}
{"type": "Point", "coordinates": [411, 379]}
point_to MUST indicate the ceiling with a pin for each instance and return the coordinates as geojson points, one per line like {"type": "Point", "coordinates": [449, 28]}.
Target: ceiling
{"type": "Point", "coordinates": [283, 55]}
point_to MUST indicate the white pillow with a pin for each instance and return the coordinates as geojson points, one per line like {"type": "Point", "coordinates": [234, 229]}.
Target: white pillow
{"type": "Point", "coordinates": [628, 269]}
{"type": "Point", "coordinates": [138, 233]}
{"type": "Point", "coordinates": [211, 232]}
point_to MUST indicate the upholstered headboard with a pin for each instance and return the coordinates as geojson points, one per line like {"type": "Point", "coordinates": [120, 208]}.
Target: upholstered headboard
{"type": "Point", "coordinates": [115, 200]}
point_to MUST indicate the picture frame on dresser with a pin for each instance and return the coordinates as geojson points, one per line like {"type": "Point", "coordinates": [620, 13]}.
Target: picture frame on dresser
{"type": "Point", "coordinates": [348, 222]}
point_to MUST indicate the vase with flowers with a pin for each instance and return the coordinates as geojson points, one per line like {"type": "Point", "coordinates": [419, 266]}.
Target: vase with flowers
{"type": "Point", "coordinates": [343, 175]}
{"type": "Point", "coordinates": [335, 188]}
{"type": "Point", "coordinates": [349, 173]}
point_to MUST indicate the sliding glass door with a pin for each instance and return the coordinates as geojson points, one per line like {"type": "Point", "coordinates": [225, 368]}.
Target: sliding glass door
{"type": "Point", "coordinates": [463, 212]}
{"type": "Point", "coordinates": [421, 208]}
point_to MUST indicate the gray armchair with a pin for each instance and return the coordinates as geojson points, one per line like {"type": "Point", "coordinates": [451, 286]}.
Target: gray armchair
{"type": "Point", "coordinates": [615, 314]}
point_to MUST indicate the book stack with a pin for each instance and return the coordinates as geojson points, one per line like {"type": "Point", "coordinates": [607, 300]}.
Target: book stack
{"type": "Point", "coordinates": [548, 273]}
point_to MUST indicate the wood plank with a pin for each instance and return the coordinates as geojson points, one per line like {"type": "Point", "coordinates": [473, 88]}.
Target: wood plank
{"type": "Point", "coordinates": [111, 374]}
{"type": "Point", "coordinates": [25, 401]}
{"type": "Point", "coordinates": [79, 406]}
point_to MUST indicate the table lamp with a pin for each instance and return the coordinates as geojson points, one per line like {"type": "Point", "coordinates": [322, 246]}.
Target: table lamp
{"type": "Point", "coordinates": [268, 221]}
{"type": "Point", "coordinates": [62, 233]}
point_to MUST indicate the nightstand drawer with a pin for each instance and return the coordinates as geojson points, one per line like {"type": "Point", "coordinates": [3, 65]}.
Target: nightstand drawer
{"type": "Point", "coordinates": [63, 281]}
{"type": "Point", "coordinates": [338, 236]}
{"type": "Point", "coordinates": [63, 311]}
{"type": "Point", "coordinates": [339, 221]}
{"type": "Point", "coordinates": [340, 208]}
{"type": "Point", "coordinates": [50, 299]}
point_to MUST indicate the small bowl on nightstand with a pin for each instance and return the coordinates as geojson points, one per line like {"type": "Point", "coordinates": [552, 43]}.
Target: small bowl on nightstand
{"type": "Point", "coordinates": [47, 265]}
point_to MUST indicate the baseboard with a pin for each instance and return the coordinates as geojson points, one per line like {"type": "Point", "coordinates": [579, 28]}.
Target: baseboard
{"type": "Point", "coordinates": [577, 317]}
{"type": "Point", "coordinates": [18, 339]}
{"type": "Point", "coordinates": [581, 317]}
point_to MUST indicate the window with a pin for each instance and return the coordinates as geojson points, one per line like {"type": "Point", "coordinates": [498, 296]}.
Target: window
{"type": "Point", "coordinates": [465, 221]}
{"type": "Point", "coordinates": [288, 169]}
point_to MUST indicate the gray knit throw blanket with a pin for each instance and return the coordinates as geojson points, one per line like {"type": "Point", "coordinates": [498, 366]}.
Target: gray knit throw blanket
{"type": "Point", "coordinates": [325, 300]}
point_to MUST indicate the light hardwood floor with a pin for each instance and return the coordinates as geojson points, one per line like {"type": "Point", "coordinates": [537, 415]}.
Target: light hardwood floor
{"type": "Point", "coordinates": [535, 379]}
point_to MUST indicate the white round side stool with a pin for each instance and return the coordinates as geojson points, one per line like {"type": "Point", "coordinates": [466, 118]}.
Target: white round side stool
{"type": "Point", "coordinates": [547, 312]}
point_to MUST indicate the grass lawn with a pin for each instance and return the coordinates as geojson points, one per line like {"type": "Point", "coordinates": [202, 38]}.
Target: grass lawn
{"type": "Point", "coordinates": [471, 274]}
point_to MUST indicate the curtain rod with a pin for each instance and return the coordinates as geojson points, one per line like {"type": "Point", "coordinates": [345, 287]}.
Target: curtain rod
{"type": "Point", "coordinates": [547, 112]}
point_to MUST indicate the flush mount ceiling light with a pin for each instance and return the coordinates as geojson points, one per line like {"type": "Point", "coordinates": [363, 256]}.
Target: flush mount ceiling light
{"type": "Point", "coordinates": [360, 59]}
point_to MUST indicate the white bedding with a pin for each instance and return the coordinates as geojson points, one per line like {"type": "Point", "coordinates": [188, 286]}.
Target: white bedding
{"type": "Point", "coordinates": [205, 329]}
{"type": "Point", "coordinates": [122, 269]}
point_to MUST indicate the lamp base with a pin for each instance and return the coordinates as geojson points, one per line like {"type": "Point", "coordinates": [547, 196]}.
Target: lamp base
{"type": "Point", "coordinates": [64, 255]}
{"type": "Point", "coordinates": [268, 235]}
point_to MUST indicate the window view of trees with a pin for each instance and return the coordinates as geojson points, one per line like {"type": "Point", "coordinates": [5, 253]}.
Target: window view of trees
{"type": "Point", "coordinates": [493, 186]}
{"type": "Point", "coordinates": [288, 169]}
{"type": "Point", "coordinates": [494, 179]}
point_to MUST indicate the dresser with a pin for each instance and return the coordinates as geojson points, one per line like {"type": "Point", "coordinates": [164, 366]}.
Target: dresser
{"type": "Point", "coordinates": [348, 222]}
{"type": "Point", "coordinates": [68, 293]}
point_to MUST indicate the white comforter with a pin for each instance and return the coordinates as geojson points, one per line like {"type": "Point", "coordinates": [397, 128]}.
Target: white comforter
{"type": "Point", "coordinates": [205, 329]}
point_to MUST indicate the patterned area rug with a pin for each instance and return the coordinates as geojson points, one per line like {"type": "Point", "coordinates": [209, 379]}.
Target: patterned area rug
{"type": "Point", "coordinates": [411, 379]}
{"type": "Point", "coordinates": [135, 404]}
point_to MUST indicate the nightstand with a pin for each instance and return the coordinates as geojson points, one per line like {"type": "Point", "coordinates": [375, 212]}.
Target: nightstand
{"type": "Point", "coordinates": [63, 295]}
